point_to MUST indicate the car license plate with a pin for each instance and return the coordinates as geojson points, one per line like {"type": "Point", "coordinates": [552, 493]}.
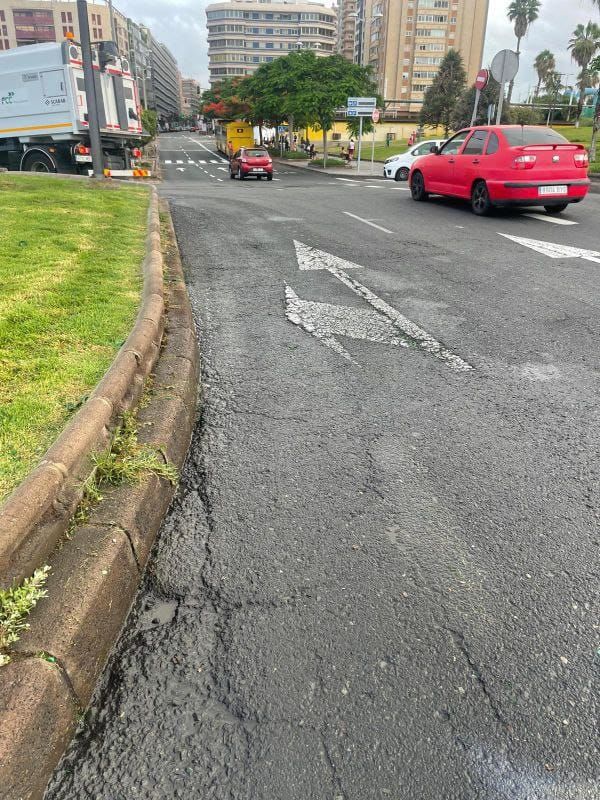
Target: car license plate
{"type": "Point", "coordinates": [553, 190]}
{"type": "Point", "coordinates": [257, 169]}
{"type": "Point", "coordinates": [83, 159]}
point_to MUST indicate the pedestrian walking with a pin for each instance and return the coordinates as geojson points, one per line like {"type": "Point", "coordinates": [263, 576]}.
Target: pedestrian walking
{"type": "Point", "coordinates": [351, 149]}
{"type": "Point", "coordinates": [311, 151]}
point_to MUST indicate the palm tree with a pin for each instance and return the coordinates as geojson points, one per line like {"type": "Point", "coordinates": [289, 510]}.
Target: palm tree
{"type": "Point", "coordinates": [583, 45]}
{"type": "Point", "coordinates": [544, 64]}
{"type": "Point", "coordinates": [522, 13]}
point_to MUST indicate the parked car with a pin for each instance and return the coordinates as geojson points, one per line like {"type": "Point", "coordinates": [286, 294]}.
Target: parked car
{"type": "Point", "coordinates": [505, 165]}
{"type": "Point", "coordinates": [398, 166]}
{"type": "Point", "coordinates": [248, 161]}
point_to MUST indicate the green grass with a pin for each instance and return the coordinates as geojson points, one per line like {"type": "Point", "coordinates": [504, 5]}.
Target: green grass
{"type": "Point", "coordinates": [70, 280]}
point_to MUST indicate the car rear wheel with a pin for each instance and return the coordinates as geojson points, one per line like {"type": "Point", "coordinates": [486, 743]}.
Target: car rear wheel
{"type": "Point", "coordinates": [269, 177]}
{"type": "Point", "coordinates": [417, 187]}
{"type": "Point", "coordinates": [232, 175]}
{"type": "Point", "coordinates": [37, 161]}
{"type": "Point", "coordinates": [480, 199]}
{"type": "Point", "coordinates": [556, 209]}
{"type": "Point", "coordinates": [401, 174]}
{"type": "Point", "coordinates": [240, 174]}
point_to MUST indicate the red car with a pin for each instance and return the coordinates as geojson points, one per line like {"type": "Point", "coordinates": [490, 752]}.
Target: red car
{"type": "Point", "coordinates": [505, 165]}
{"type": "Point", "coordinates": [251, 161]}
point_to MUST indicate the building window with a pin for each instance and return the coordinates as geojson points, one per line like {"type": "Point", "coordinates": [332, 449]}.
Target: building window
{"type": "Point", "coordinates": [2, 17]}
{"type": "Point", "coordinates": [99, 33]}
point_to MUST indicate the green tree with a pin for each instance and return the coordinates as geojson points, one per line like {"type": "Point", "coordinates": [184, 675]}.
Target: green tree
{"type": "Point", "coordinates": [544, 64]}
{"type": "Point", "coordinates": [443, 94]}
{"type": "Point", "coordinates": [595, 66]}
{"type": "Point", "coordinates": [583, 45]}
{"type": "Point", "coordinates": [149, 125]}
{"type": "Point", "coordinates": [463, 108]}
{"type": "Point", "coordinates": [222, 101]}
{"type": "Point", "coordinates": [523, 13]}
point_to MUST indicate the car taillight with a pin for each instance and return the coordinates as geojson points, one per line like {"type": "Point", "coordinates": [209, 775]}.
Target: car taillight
{"type": "Point", "coordinates": [525, 162]}
{"type": "Point", "coordinates": [581, 159]}
{"type": "Point", "coordinates": [136, 152]}
{"type": "Point", "coordinates": [82, 150]}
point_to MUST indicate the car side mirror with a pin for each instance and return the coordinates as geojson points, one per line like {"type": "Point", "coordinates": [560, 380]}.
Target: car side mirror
{"type": "Point", "coordinates": [435, 150]}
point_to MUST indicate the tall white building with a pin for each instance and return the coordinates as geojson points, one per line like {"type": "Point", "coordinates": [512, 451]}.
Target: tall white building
{"type": "Point", "coordinates": [242, 34]}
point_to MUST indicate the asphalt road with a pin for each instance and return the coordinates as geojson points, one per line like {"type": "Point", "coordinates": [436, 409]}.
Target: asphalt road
{"type": "Point", "coordinates": [379, 578]}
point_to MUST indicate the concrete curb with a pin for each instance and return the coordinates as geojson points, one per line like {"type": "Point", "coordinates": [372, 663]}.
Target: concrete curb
{"type": "Point", "coordinates": [347, 172]}
{"type": "Point", "coordinates": [95, 575]}
{"type": "Point", "coordinates": [37, 513]}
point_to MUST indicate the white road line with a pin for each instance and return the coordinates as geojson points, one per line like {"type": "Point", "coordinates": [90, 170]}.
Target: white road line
{"type": "Point", "coordinates": [366, 221]}
{"type": "Point", "coordinates": [212, 176]}
{"type": "Point", "coordinates": [220, 179]}
{"type": "Point", "coordinates": [348, 180]}
{"type": "Point", "coordinates": [190, 161]}
{"type": "Point", "coordinates": [555, 220]}
{"type": "Point", "coordinates": [202, 162]}
{"type": "Point", "coordinates": [168, 161]}
{"type": "Point", "coordinates": [179, 162]}
{"type": "Point", "coordinates": [208, 150]}
{"type": "Point", "coordinates": [222, 168]}
{"type": "Point", "coordinates": [276, 179]}
{"type": "Point", "coordinates": [375, 187]}
{"type": "Point", "coordinates": [214, 161]}
{"type": "Point", "coordinates": [399, 189]}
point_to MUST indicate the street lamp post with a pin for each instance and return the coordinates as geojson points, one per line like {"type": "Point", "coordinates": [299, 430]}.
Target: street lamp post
{"type": "Point", "coordinates": [90, 90]}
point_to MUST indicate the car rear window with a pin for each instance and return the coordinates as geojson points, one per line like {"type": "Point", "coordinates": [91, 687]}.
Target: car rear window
{"type": "Point", "coordinates": [524, 136]}
{"type": "Point", "coordinates": [255, 153]}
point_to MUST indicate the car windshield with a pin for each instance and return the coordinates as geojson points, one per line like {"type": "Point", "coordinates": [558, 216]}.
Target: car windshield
{"type": "Point", "coordinates": [523, 136]}
{"type": "Point", "coordinates": [255, 153]}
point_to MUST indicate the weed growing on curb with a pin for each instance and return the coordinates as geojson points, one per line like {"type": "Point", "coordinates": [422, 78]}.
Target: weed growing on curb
{"type": "Point", "coordinates": [128, 460]}
{"type": "Point", "coordinates": [15, 605]}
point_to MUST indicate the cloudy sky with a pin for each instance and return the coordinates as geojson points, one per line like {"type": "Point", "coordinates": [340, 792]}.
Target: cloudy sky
{"type": "Point", "coordinates": [180, 24]}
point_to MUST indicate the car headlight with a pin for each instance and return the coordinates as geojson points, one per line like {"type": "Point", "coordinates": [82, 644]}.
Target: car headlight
{"type": "Point", "coordinates": [391, 160]}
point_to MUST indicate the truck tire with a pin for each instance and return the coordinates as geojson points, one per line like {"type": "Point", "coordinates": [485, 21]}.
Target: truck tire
{"type": "Point", "coordinates": [37, 161]}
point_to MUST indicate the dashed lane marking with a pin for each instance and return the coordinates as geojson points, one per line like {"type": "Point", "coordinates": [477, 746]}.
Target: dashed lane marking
{"type": "Point", "coordinates": [367, 222]}
{"type": "Point", "coordinates": [168, 161]}
{"type": "Point", "coordinates": [554, 220]}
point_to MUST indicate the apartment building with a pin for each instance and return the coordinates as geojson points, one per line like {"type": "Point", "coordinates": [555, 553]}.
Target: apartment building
{"type": "Point", "coordinates": [190, 93]}
{"type": "Point", "coordinates": [405, 40]}
{"type": "Point", "coordinates": [347, 22]}
{"type": "Point", "coordinates": [164, 84]}
{"type": "Point", "coordinates": [242, 34]}
{"type": "Point", "coordinates": [25, 22]}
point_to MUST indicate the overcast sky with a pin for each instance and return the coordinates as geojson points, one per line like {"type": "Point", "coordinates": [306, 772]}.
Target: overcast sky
{"type": "Point", "coordinates": [180, 24]}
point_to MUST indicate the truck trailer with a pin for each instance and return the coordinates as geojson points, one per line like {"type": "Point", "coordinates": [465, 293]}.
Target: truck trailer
{"type": "Point", "coordinates": [43, 109]}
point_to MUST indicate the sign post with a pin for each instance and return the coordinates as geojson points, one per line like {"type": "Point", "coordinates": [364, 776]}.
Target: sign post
{"type": "Point", "coordinates": [360, 107]}
{"type": "Point", "coordinates": [481, 81]}
{"type": "Point", "coordinates": [505, 66]}
{"type": "Point", "coordinates": [375, 117]}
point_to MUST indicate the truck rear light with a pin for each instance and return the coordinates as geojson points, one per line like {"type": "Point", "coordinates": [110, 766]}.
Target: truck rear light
{"type": "Point", "coordinates": [524, 162]}
{"type": "Point", "coordinates": [82, 150]}
{"type": "Point", "coordinates": [581, 159]}
{"type": "Point", "coordinates": [136, 153]}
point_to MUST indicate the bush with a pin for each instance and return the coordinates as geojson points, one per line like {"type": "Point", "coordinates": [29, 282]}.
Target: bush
{"type": "Point", "coordinates": [525, 116]}
{"type": "Point", "coordinates": [149, 125]}
{"type": "Point", "coordinates": [332, 161]}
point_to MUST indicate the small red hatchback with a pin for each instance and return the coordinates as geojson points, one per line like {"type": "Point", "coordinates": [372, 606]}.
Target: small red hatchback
{"type": "Point", "coordinates": [505, 165]}
{"type": "Point", "coordinates": [251, 161]}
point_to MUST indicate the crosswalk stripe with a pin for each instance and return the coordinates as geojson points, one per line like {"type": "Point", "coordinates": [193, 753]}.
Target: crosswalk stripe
{"type": "Point", "coordinates": [168, 161]}
{"type": "Point", "coordinates": [555, 220]}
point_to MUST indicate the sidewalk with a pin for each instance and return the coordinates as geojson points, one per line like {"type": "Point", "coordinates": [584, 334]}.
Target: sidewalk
{"type": "Point", "coordinates": [348, 172]}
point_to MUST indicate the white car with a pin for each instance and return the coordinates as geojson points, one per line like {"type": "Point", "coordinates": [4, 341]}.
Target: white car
{"type": "Point", "coordinates": [398, 167]}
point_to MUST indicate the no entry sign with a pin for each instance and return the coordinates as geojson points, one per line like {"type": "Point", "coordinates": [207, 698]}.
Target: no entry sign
{"type": "Point", "coordinates": [481, 81]}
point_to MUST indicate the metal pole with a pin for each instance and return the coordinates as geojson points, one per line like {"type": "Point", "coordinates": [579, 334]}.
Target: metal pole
{"type": "Point", "coordinates": [90, 90]}
{"type": "Point", "coordinates": [373, 151]}
{"type": "Point", "coordinates": [359, 144]}
{"type": "Point", "coordinates": [501, 97]}
{"type": "Point", "coordinates": [476, 106]}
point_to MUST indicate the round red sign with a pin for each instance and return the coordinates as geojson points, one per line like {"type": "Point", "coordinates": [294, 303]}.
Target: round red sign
{"type": "Point", "coordinates": [481, 81]}
{"type": "Point", "coordinates": [375, 115]}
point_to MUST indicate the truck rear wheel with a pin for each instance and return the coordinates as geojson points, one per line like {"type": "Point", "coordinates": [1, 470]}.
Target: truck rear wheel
{"type": "Point", "coordinates": [38, 162]}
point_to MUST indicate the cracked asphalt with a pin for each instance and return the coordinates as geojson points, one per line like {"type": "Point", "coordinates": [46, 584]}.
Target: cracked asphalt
{"type": "Point", "coordinates": [379, 578]}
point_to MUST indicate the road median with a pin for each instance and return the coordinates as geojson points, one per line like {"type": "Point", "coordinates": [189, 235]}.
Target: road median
{"type": "Point", "coordinates": [95, 566]}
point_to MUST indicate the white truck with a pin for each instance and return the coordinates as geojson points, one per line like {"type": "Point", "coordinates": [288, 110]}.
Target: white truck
{"type": "Point", "coordinates": [43, 109]}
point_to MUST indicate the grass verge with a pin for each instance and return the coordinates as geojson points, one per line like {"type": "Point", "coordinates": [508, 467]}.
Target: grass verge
{"type": "Point", "coordinates": [70, 282]}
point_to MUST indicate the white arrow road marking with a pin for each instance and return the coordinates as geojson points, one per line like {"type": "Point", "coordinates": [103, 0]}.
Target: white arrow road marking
{"type": "Point", "coordinates": [325, 321]}
{"type": "Point", "coordinates": [554, 250]}
{"type": "Point", "coordinates": [547, 218]}
{"type": "Point", "coordinates": [309, 258]}
{"type": "Point", "coordinates": [366, 221]}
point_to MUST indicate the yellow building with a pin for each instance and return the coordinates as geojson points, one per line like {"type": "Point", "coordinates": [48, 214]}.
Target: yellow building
{"type": "Point", "coordinates": [405, 41]}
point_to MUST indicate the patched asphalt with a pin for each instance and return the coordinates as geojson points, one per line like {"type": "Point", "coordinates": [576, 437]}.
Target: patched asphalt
{"type": "Point", "coordinates": [379, 577]}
